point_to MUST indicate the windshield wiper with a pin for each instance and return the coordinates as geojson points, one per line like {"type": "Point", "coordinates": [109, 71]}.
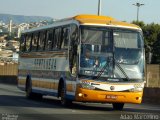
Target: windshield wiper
{"type": "Point", "coordinates": [104, 67]}
{"type": "Point", "coordinates": [101, 71]}
{"type": "Point", "coordinates": [121, 69]}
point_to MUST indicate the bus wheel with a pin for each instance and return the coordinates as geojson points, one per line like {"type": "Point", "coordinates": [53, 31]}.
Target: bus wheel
{"type": "Point", "coordinates": [29, 93]}
{"type": "Point", "coordinates": [118, 106]}
{"type": "Point", "coordinates": [64, 101]}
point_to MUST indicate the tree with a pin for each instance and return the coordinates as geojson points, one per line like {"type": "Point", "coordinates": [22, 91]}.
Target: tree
{"type": "Point", "coordinates": [156, 50]}
{"type": "Point", "coordinates": [139, 23]}
{"type": "Point", "coordinates": [151, 40]}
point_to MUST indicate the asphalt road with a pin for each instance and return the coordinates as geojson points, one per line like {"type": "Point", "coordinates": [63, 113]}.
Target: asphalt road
{"type": "Point", "coordinates": [14, 106]}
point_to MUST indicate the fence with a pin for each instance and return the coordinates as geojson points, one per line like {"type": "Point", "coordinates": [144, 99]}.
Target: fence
{"type": "Point", "coordinates": [8, 69]}
{"type": "Point", "coordinates": [153, 75]}
{"type": "Point", "coordinates": [8, 72]}
{"type": "Point", "coordinates": [8, 66]}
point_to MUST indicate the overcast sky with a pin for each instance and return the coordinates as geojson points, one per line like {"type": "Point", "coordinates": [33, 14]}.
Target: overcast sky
{"type": "Point", "coordinates": [119, 9]}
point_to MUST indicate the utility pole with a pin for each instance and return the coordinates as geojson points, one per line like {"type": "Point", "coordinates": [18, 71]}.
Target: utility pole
{"type": "Point", "coordinates": [138, 5]}
{"type": "Point", "coordinates": [99, 7]}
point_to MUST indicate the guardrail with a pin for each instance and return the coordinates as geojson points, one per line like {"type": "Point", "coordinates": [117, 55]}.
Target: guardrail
{"type": "Point", "coordinates": [153, 75]}
{"type": "Point", "coordinates": [8, 70]}
{"type": "Point", "coordinates": [9, 66]}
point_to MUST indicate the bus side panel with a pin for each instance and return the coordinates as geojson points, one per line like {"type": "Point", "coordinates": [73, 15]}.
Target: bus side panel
{"type": "Point", "coordinates": [70, 89]}
{"type": "Point", "coordinates": [21, 83]}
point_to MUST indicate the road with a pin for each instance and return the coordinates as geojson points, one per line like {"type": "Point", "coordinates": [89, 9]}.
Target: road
{"type": "Point", "coordinates": [14, 106]}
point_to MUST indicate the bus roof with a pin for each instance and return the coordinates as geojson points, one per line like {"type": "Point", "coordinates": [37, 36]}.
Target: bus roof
{"type": "Point", "coordinates": [103, 20]}
{"type": "Point", "coordinates": [85, 19]}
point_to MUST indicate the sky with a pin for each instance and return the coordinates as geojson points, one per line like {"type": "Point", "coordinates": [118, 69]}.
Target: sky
{"type": "Point", "coordinates": [119, 9]}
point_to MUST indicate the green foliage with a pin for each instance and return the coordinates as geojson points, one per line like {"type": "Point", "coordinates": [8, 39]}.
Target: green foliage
{"type": "Point", "coordinates": [151, 39]}
{"type": "Point", "coordinates": [156, 50]}
{"type": "Point", "coordinates": [139, 23]}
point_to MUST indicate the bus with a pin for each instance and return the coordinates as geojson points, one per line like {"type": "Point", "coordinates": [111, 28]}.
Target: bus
{"type": "Point", "coordinates": [85, 58]}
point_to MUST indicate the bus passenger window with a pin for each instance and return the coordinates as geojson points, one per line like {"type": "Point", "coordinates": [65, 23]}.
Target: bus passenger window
{"type": "Point", "coordinates": [41, 42]}
{"type": "Point", "coordinates": [34, 42]}
{"type": "Point", "coordinates": [23, 44]}
{"type": "Point", "coordinates": [74, 33]}
{"type": "Point", "coordinates": [65, 38]}
{"type": "Point", "coordinates": [73, 49]}
{"type": "Point", "coordinates": [56, 39]}
{"type": "Point", "coordinates": [59, 42]}
{"type": "Point", "coordinates": [49, 40]}
{"type": "Point", "coordinates": [28, 42]}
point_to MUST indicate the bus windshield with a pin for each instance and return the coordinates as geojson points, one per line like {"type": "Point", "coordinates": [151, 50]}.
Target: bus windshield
{"type": "Point", "coordinates": [111, 53]}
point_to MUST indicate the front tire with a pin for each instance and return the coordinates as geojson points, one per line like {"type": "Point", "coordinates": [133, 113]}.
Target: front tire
{"type": "Point", "coordinates": [64, 101]}
{"type": "Point", "coordinates": [118, 106]}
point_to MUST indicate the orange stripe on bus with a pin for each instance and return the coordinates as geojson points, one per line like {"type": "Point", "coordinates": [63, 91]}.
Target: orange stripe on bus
{"type": "Point", "coordinates": [44, 84]}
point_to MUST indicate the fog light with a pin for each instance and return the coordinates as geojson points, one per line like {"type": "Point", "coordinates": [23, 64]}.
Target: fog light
{"type": "Point", "coordinates": [85, 95]}
{"type": "Point", "coordinates": [138, 98]}
{"type": "Point", "coordinates": [80, 94]}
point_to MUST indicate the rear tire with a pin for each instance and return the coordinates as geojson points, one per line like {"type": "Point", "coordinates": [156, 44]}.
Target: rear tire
{"type": "Point", "coordinates": [118, 106]}
{"type": "Point", "coordinates": [29, 93]}
{"type": "Point", "coordinates": [64, 101]}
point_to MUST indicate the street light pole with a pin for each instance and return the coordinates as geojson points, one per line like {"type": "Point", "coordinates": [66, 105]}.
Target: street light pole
{"type": "Point", "coordinates": [99, 7]}
{"type": "Point", "coordinates": [138, 5]}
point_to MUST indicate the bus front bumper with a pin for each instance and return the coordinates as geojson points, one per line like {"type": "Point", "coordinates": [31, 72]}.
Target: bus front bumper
{"type": "Point", "coordinates": [85, 95]}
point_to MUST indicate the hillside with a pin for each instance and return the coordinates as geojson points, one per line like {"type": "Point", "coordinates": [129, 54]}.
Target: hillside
{"type": "Point", "coordinates": [17, 19]}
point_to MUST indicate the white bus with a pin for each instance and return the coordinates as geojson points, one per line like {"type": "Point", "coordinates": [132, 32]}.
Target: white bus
{"type": "Point", "coordinates": [86, 58]}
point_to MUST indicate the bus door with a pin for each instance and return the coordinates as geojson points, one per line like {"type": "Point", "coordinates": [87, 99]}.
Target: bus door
{"type": "Point", "coordinates": [73, 56]}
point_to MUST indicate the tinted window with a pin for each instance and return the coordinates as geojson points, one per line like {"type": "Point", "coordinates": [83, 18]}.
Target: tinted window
{"type": "Point", "coordinates": [65, 38]}
{"type": "Point", "coordinates": [49, 40]}
{"type": "Point", "coordinates": [34, 42]}
{"type": "Point", "coordinates": [22, 43]}
{"type": "Point", "coordinates": [56, 38]}
{"type": "Point", "coordinates": [41, 43]}
{"type": "Point", "coordinates": [28, 42]}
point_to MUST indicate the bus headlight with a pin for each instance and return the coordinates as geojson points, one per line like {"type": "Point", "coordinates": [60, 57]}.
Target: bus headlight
{"type": "Point", "coordinates": [137, 88]}
{"type": "Point", "coordinates": [86, 85]}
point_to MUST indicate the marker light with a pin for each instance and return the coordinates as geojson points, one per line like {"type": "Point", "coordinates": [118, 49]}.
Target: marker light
{"type": "Point", "coordinates": [80, 94]}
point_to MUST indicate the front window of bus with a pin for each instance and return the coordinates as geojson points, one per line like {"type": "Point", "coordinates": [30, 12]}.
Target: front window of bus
{"type": "Point", "coordinates": [96, 52]}
{"type": "Point", "coordinates": [129, 54]}
{"type": "Point", "coordinates": [108, 53]}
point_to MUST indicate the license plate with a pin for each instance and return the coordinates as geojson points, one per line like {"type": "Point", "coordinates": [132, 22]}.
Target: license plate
{"type": "Point", "coordinates": [111, 97]}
